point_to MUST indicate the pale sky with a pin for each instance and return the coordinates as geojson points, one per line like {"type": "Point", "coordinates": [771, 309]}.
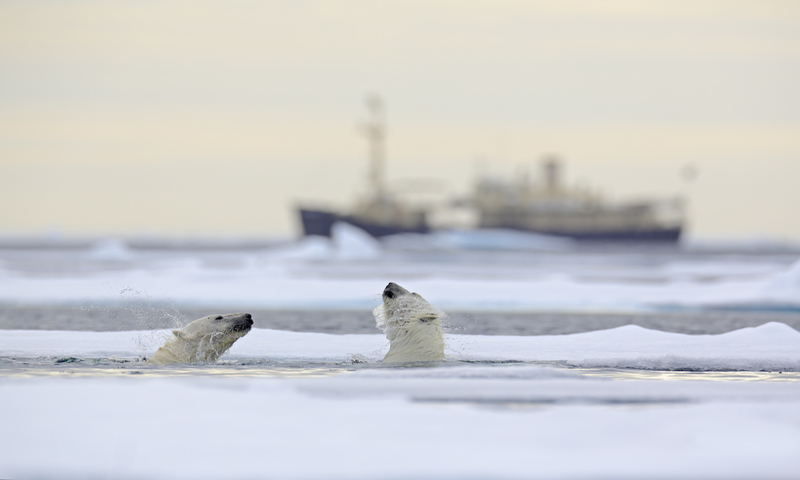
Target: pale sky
{"type": "Point", "coordinates": [218, 117]}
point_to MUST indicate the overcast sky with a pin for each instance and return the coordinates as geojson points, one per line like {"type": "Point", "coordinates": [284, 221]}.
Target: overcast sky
{"type": "Point", "coordinates": [218, 117]}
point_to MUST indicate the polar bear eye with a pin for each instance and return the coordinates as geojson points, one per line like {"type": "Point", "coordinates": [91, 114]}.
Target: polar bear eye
{"type": "Point", "coordinates": [389, 294]}
{"type": "Point", "coordinates": [218, 318]}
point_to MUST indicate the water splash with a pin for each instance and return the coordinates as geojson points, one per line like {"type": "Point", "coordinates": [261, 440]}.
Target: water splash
{"type": "Point", "coordinates": [135, 310]}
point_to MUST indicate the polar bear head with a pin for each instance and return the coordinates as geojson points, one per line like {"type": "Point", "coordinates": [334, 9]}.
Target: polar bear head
{"type": "Point", "coordinates": [204, 340]}
{"type": "Point", "coordinates": [411, 324]}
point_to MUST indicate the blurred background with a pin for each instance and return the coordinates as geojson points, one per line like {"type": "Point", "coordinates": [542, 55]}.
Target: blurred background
{"type": "Point", "coordinates": [211, 118]}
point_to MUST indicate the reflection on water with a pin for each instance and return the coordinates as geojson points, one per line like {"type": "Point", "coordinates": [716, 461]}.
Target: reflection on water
{"type": "Point", "coordinates": [105, 367]}
{"type": "Point", "coordinates": [631, 374]}
{"type": "Point", "coordinates": [117, 367]}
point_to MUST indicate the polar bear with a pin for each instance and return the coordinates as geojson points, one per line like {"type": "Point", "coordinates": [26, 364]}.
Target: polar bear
{"type": "Point", "coordinates": [412, 326]}
{"type": "Point", "coordinates": [203, 340]}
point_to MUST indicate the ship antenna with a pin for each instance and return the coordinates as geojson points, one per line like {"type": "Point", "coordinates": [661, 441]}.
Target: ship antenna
{"type": "Point", "coordinates": [376, 132]}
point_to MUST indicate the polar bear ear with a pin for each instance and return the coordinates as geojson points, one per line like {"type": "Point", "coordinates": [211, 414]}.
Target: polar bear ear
{"type": "Point", "coordinates": [178, 334]}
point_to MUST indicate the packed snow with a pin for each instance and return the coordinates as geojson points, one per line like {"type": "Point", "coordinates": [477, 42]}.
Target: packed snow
{"type": "Point", "coordinates": [309, 405]}
{"type": "Point", "coordinates": [295, 405]}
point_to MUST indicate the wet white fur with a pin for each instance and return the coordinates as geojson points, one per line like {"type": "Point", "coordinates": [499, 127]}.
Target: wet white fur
{"type": "Point", "coordinates": [203, 340]}
{"type": "Point", "coordinates": [413, 327]}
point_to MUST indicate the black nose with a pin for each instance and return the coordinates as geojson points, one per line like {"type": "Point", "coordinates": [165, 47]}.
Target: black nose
{"type": "Point", "coordinates": [388, 291]}
{"type": "Point", "coordinates": [249, 318]}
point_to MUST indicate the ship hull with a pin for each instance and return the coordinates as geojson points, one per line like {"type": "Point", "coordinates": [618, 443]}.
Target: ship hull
{"type": "Point", "coordinates": [320, 222]}
{"type": "Point", "coordinates": [317, 222]}
{"type": "Point", "coordinates": [652, 235]}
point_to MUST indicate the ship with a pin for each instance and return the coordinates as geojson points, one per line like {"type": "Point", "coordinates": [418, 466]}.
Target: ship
{"type": "Point", "coordinates": [379, 212]}
{"type": "Point", "coordinates": [545, 207]}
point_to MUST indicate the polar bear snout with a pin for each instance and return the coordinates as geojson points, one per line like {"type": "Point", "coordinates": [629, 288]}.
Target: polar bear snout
{"type": "Point", "coordinates": [394, 290]}
{"type": "Point", "coordinates": [243, 324]}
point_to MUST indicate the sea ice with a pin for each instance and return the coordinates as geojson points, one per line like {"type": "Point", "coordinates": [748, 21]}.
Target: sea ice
{"type": "Point", "coordinates": [770, 347]}
{"type": "Point", "coordinates": [502, 421]}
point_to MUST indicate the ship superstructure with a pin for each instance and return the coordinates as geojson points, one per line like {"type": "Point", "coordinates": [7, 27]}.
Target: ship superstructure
{"type": "Point", "coordinates": [549, 207]}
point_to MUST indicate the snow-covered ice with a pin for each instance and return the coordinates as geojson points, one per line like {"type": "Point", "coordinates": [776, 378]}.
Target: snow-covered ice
{"type": "Point", "coordinates": [621, 403]}
{"type": "Point", "coordinates": [292, 405]}
{"type": "Point", "coordinates": [302, 428]}
{"type": "Point", "coordinates": [769, 347]}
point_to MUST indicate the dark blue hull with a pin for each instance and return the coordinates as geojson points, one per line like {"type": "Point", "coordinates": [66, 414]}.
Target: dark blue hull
{"type": "Point", "coordinates": [319, 222]}
{"type": "Point", "coordinates": [663, 235]}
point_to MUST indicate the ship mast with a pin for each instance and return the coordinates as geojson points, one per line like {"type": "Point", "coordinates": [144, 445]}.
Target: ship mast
{"type": "Point", "coordinates": [376, 132]}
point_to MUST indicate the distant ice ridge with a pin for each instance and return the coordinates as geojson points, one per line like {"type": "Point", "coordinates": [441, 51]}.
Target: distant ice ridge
{"type": "Point", "coordinates": [346, 243]}
{"type": "Point", "coordinates": [740, 244]}
{"type": "Point", "coordinates": [276, 282]}
{"type": "Point", "coordinates": [787, 282]}
{"type": "Point", "coordinates": [488, 239]}
{"type": "Point", "coordinates": [771, 347]}
{"type": "Point", "coordinates": [111, 249]}
{"type": "Point", "coordinates": [349, 270]}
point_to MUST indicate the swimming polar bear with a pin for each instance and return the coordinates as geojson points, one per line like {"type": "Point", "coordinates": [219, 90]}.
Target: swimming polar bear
{"type": "Point", "coordinates": [412, 326]}
{"type": "Point", "coordinates": [203, 340]}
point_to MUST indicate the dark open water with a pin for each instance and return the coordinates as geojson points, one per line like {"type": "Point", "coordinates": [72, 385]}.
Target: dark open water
{"type": "Point", "coordinates": [145, 317]}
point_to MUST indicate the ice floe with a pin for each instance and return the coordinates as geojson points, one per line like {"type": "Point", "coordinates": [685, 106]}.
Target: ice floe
{"type": "Point", "coordinates": [769, 347]}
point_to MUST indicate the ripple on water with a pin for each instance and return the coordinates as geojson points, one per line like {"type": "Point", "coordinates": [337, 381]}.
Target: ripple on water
{"type": "Point", "coordinates": [55, 366]}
